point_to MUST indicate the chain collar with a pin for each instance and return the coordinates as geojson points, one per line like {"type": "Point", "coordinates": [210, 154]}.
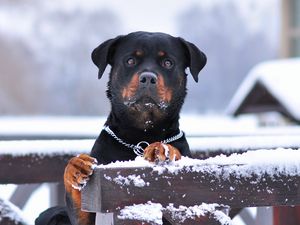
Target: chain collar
{"type": "Point", "coordinates": [139, 148]}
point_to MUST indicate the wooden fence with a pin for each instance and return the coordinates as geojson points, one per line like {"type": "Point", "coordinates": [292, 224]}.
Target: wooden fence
{"type": "Point", "coordinates": [37, 164]}
{"type": "Point", "coordinates": [236, 186]}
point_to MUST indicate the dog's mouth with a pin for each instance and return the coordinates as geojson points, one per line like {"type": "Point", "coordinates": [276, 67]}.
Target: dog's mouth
{"type": "Point", "coordinates": [146, 103]}
{"type": "Point", "coordinates": [146, 111]}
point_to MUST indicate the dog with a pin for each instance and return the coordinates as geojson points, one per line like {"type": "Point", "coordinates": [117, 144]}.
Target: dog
{"type": "Point", "coordinates": [146, 89]}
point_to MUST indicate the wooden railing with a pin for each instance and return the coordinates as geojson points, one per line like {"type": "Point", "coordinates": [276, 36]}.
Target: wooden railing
{"type": "Point", "coordinates": [116, 187]}
{"type": "Point", "coordinates": [34, 163]}
{"type": "Point", "coordinates": [44, 161]}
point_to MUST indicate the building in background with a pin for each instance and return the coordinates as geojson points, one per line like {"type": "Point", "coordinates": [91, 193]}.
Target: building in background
{"type": "Point", "coordinates": [290, 46]}
{"type": "Point", "coordinates": [270, 87]}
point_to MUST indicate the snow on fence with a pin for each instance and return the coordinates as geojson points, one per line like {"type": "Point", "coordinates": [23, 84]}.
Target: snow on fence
{"type": "Point", "coordinates": [44, 160]}
{"type": "Point", "coordinates": [251, 179]}
{"type": "Point", "coordinates": [23, 162]}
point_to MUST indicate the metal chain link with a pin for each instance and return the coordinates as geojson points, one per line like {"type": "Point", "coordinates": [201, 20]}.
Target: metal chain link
{"type": "Point", "coordinates": [174, 138]}
{"type": "Point", "coordinates": [138, 149]}
{"type": "Point", "coordinates": [110, 132]}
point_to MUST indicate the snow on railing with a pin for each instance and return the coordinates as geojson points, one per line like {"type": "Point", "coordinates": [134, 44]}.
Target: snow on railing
{"type": "Point", "coordinates": [153, 212]}
{"type": "Point", "coordinates": [23, 162]}
{"type": "Point", "coordinates": [17, 157]}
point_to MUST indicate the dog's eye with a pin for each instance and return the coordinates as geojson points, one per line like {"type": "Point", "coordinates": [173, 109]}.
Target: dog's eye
{"type": "Point", "coordinates": [131, 61]}
{"type": "Point", "coordinates": [167, 63]}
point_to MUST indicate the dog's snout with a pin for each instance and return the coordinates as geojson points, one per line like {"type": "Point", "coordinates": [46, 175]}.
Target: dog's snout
{"type": "Point", "coordinates": [148, 78]}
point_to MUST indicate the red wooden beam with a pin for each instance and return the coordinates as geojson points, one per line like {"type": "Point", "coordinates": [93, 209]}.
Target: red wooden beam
{"type": "Point", "coordinates": [286, 215]}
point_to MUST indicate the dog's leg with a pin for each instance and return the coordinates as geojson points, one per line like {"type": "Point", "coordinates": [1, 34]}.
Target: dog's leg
{"type": "Point", "coordinates": [76, 175]}
{"type": "Point", "coordinates": [157, 152]}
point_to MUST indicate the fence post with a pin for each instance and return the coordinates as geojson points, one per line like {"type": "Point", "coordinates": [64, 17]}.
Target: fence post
{"type": "Point", "coordinates": [105, 219]}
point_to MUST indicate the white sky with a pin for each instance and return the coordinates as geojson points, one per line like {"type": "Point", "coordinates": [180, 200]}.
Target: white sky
{"type": "Point", "coordinates": [155, 15]}
{"type": "Point", "coordinates": [162, 15]}
{"type": "Point", "coordinates": [152, 15]}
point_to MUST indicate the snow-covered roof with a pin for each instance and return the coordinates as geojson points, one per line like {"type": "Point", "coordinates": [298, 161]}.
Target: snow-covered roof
{"type": "Point", "coordinates": [280, 77]}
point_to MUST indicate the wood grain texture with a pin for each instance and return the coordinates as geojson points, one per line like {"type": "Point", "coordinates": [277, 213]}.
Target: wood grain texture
{"type": "Point", "coordinates": [103, 194]}
{"type": "Point", "coordinates": [32, 168]}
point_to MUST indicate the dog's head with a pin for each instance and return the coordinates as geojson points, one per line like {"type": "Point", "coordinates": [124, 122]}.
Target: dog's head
{"type": "Point", "coordinates": [148, 80]}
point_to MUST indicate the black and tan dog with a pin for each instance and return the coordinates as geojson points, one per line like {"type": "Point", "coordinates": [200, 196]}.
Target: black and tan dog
{"type": "Point", "coordinates": [147, 87]}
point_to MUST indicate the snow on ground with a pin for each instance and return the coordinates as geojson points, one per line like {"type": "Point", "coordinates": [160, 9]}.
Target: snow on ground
{"type": "Point", "coordinates": [90, 127]}
{"type": "Point", "coordinates": [51, 126]}
{"type": "Point", "coordinates": [243, 143]}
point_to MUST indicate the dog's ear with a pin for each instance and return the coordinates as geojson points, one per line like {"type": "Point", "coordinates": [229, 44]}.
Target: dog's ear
{"type": "Point", "coordinates": [197, 59]}
{"type": "Point", "coordinates": [102, 54]}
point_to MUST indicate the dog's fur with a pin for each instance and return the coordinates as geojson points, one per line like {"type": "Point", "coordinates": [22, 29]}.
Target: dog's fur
{"type": "Point", "coordinates": [146, 88]}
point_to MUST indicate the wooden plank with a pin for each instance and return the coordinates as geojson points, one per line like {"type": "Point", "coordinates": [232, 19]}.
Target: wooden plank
{"type": "Point", "coordinates": [246, 217]}
{"type": "Point", "coordinates": [36, 168]}
{"type": "Point", "coordinates": [286, 215]}
{"type": "Point", "coordinates": [57, 193]}
{"type": "Point", "coordinates": [105, 219]}
{"type": "Point", "coordinates": [264, 216]}
{"type": "Point", "coordinates": [22, 194]}
{"type": "Point", "coordinates": [104, 193]}
{"type": "Point", "coordinates": [32, 168]}
{"type": "Point", "coordinates": [24, 162]}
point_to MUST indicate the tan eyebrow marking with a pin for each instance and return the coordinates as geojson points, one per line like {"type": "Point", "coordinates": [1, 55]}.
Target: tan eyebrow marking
{"type": "Point", "coordinates": [161, 53]}
{"type": "Point", "coordinates": [139, 52]}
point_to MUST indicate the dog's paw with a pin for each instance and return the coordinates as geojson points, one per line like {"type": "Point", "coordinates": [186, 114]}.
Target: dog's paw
{"type": "Point", "coordinates": [160, 152]}
{"type": "Point", "coordinates": [78, 170]}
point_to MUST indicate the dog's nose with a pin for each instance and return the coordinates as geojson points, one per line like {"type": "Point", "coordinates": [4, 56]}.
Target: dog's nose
{"type": "Point", "coordinates": [148, 78]}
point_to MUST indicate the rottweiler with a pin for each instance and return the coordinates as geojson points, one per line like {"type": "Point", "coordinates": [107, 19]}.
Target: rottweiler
{"type": "Point", "coordinates": [146, 88]}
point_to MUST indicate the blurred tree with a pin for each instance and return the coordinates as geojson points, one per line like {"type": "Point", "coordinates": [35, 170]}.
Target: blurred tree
{"type": "Point", "coordinates": [66, 42]}
{"type": "Point", "coordinates": [18, 92]}
{"type": "Point", "coordinates": [60, 38]}
{"type": "Point", "coordinates": [232, 47]}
